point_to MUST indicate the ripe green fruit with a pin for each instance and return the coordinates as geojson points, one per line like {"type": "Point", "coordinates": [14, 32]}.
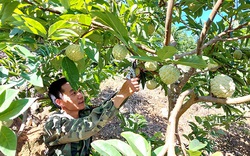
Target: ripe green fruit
{"type": "Point", "coordinates": [137, 71]}
{"type": "Point", "coordinates": [237, 54]}
{"type": "Point", "coordinates": [212, 66]}
{"type": "Point", "coordinates": [151, 29]}
{"type": "Point", "coordinates": [151, 66]}
{"type": "Point", "coordinates": [151, 84]}
{"type": "Point", "coordinates": [119, 52]}
{"type": "Point", "coordinates": [74, 53]}
{"type": "Point", "coordinates": [222, 86]}
{"type": "Point", "coordinates": [169, 74]}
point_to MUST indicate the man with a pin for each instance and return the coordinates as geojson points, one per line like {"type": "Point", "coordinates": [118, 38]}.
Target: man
{"type": "Point", "coordinates": [69, 131]}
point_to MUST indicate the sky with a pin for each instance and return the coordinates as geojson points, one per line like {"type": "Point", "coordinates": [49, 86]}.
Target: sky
{"type": "Point", "coordinates": [203, 18]}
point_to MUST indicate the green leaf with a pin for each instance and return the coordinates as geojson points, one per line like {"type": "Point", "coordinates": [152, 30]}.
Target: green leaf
{"type": "Point", "coordinates": [6, 98]}
{"type": "Point", "coordinates": [139, 144]}
{"type": "Point", "coordinates": [29, 25]}
{"type": "Point", "coordinates": [193, 61]}
{"type": "Point", "coordinates": [157, 151]}
{"type": "Point", "coordinates": [4, 73]}
{"type": "Point", "coordinates": [54, 27]}
{"type": "Point", "coordinates": [24, 51]}
{"type": "Point", "coordinates": [70, 72]}
{"type": "Point", "coordinates": [62, 34]}
{"type": "Point", "coordinates": [8, 141]}
{"type": "Point", "coordinates": [7, 10]}
{"type": "Point", "coordinates": [33, 78]}
{"type": "Point", "coordinates": [166, 52]}
{"type": "Point", "coordinates": [123, 147]}
{"type": "Point", "coordinates": [196, 145]}
{"type": "Point", "coordinates": [217, 154]}
{"type": "Point", "coordinates": [35, 26]}
{"type": "Point", "coordinates": [104, 148]}
{"type": "Point", "coordinates": [113, 21]}
{"type": "Point", "coordinates": [194, 153]}
{"type": "Point", "coordinates": [16, 108]}
{"type": "Point", "coordinates": [65, 3]}
{"type": "Point", "coordinates": [6, 86]}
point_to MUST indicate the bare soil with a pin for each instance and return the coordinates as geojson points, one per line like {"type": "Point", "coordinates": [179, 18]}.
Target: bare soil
{"type": "Point", "coordinates": [152, 104]}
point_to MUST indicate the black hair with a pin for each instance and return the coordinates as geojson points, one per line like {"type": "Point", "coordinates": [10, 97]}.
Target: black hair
{"type": "Point", "coordinates": [55, 90]}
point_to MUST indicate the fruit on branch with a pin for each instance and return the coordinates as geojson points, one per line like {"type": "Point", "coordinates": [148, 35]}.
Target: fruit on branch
{"type": "Point", "coordinates": [237, 54]}
{"type": "Point", "coordinates": [119, 52]}
{"type": "Point", "coordinates": [137, 71]}
{"type": "Point", "coordinates": [212, 66]}
{"type": "Point", "coordinates": [169, 74]}
{"type": "Point", "coordinates": [222, 86]}
{"type": "Point", "coordinates": [74, 53]}
{"type": "Point", "coordinates": [151, 29]}
{"type": "Point", "coordinates": [151, 84]}
{"type": "Point", "coordinates": [151, 66]}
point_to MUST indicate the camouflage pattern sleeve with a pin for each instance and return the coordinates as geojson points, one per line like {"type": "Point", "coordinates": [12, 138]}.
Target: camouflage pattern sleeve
{"type": "Point", "coordinates": [60, 129]}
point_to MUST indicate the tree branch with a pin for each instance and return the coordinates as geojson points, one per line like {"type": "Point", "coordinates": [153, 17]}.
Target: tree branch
{"type": "Point", "coordinates": [216, 39]}
{"type": "Point", "coordinates": [44, 9]}
{"type": "Point", "coordinates": [238, 100]}
{"type": "Point", "coordinates": [207, 25]}
{"type": "Point", "coordinates": [170, 134]}
{"type": "Point", "coordinates": [168, 22]}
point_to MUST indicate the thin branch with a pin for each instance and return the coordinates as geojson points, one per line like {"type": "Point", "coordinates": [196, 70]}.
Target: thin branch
{"type": "Point", "coordinates": [146, 48]}
{"type": "Point", "coordinates": [230, 101]}
{"type": "Point", "coordinates": [168, 22]}
{"type": "Point", "coordinates": [216, 39]}
{"type": "Point", "coordinates": [44, 9]}
{"type": "Point", "coordinates": [207, 25]}
{"type": "Point", "coordinates": [181, 144]}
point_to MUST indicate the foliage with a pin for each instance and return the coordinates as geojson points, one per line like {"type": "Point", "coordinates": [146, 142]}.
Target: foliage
{"type": "Point", "coordinates": [135, 145]}
{"type": "Point", "coordinates": [35, 34]}
{"type": "Point", "coordinates": [207, 128]}
{"type": "Point", "coordinates": [134, 123]}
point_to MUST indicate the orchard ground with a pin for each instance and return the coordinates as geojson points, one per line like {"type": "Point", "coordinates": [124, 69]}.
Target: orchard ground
{"type": "Point", "coordinates": [152, 104]}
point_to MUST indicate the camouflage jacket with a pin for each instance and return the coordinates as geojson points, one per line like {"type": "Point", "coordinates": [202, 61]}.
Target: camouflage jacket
{"type": "Point", "coordinates": [67, 136]}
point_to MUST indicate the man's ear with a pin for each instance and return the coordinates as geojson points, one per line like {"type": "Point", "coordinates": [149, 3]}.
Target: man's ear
{"type": "Point", "coordinates": [59, 102]}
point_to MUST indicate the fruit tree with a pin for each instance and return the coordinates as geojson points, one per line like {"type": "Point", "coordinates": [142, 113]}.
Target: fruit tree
{"type": "Point", "coordinates": [89, 41]}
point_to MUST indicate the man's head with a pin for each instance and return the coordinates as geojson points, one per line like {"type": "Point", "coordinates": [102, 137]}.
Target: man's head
{"type": "Point", "coordinates": [64, 97]}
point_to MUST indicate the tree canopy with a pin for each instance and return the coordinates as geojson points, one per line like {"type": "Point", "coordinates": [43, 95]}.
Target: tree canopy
{"type": "Point", "coordinates": [36, 33]}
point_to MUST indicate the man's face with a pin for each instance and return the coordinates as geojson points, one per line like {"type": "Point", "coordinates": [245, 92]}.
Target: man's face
{"type": "Point", "coordinates": [71, 100]}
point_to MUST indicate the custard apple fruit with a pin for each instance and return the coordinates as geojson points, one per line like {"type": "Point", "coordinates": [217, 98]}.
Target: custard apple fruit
{"type": "Point", "coordinates": [237, 54]}
{"type": "Point", "coordinates": [222, 86]}
{"type": "Point", "coordinates": [169, 74]}
{"type": "Point", "coordinates": [74, 53]}
{"type": "Point", "coordinates": [137, 71]}
{"type": "Point", "coordinates": [151, 66]}
{"type": "Point", "coordinates": [151, 29]}
{"type": "Point", "coordinates": [151, 84]}
{"type": "Point", "coordinates": [212, 66]}
{"type": "Point", "coordinates": [119, 52]}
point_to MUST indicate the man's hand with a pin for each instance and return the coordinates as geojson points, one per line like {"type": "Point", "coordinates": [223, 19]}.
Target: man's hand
{"type": "Point", "coordinates": [127, 89]}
